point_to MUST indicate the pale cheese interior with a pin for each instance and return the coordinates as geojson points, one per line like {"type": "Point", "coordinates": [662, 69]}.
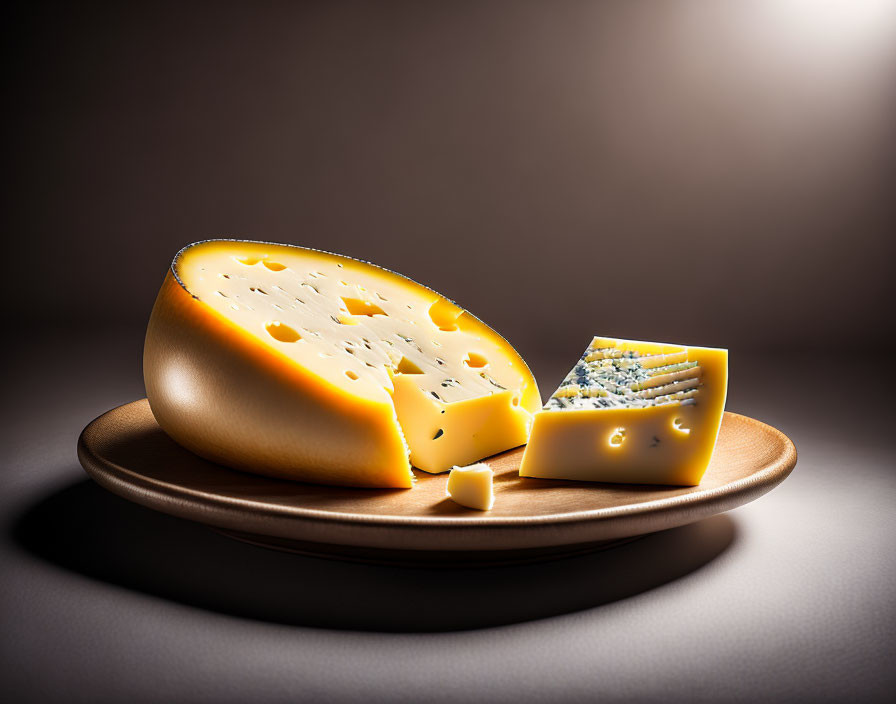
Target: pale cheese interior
{"type": "Point", "coordinates": [472, 486]}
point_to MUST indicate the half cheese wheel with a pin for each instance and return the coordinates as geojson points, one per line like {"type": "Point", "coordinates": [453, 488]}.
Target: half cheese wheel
{"type": "Point", "coordinates": [296, 363]}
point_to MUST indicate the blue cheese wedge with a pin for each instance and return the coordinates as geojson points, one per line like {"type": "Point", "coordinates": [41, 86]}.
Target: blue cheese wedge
{"type": "Point", "coordinates": [632, 412]}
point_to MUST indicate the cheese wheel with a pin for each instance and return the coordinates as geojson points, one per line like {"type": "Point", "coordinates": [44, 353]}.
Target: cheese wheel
{"type": "Point", "coordinates": [307, 365]}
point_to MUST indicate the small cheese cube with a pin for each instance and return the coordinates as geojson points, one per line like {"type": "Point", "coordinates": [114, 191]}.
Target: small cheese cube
{"type": "Point", "coordinates": [472, 486]}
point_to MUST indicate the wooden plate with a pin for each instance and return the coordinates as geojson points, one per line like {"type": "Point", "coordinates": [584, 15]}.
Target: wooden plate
{"type": "Point", "coordinates": [125, 451]}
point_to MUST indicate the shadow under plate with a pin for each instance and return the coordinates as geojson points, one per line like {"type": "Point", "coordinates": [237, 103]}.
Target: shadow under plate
{"type": "Point", "coordinates": [90, 531]}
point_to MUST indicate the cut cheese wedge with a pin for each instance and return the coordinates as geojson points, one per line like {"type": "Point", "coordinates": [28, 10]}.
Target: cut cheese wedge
{"type": "Point", "coordinates": [632, 412]}
{"type": "Point", "coordinates": [312, 366]}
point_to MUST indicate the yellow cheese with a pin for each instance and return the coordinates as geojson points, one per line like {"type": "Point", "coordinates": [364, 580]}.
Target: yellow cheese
{"type": "Point", "coordinates": [632, 412]}
{"type": "Point", "coordinates": [472, 486]}
{"type": "Point", "coordinates": [312, 366]}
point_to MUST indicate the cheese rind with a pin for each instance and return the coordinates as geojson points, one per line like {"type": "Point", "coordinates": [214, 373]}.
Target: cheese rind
{"type": "Point", "coordinates": [632, 412]}
{"type": "Point", "coordinates": [307, 365]}
{"type": "Point", "coordinates": [472, 486]}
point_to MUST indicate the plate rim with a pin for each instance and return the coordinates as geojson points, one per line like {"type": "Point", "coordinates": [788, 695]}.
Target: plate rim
{"type": "Point", "coordinates": [172, 498]}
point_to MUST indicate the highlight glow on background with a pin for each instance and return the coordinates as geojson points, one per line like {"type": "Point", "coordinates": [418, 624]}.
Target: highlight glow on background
{"type": "Point", "coordinates": [838, 22]}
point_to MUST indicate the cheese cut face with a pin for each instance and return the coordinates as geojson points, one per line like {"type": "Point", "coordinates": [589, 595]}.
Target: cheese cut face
{"type": "Point", "coordinates": [312, 366]}
{"type": "Point", "coordinates": [472, 486]}
{"type": "Point", "coordinates": [632, 412]}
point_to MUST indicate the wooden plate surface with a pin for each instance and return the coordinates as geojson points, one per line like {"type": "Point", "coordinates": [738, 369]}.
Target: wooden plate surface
{"type": "Point", "coordinates": [125, 451]}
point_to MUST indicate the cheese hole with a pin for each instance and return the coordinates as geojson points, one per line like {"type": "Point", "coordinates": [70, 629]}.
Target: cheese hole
{"type": "Point", "coordinates": [439, 433]}
{"type": "Point", "coordinates": [248, 261]}
{"type": "Point", "coordinates": [274, 266]}
{"type": "Point", "coordinates": [475, 360]}
{"type": "Point", "coordinates": [444, 315]}
{"type": "Point", "coordinates": [406, 366]}
{"type": "Point", "coordinates": [224, 276]}
{"type": "Point", "coordinates": [351, 375]}
{"type": "Point", "coordinates": [356, 306]}
{"type": "Point", "coordinates": [677, 424]}
{"type": "Point", "coordinates": [255, 289]}
{"type": "Point", "coordinates": [282, 332]}
{"type": "Point", "coordinates": [222, 294]}
{"type": "Point", "coordinates": [617, 437]}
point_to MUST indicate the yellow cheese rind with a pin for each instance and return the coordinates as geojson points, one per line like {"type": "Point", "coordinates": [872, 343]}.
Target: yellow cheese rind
{"type": "Point", "coordinates": [238, 371]}
{"type": "Point", "coordinates": [670, 443]}
{"type": "Point", "coordinates": [472, 486]}
{"type": "Point", "coordinates": [222, 397]}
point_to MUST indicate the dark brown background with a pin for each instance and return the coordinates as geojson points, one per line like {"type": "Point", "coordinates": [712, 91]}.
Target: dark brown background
{"type": "Point", "coordinates": [712, 173]}
{"type": "Point", "coordinates": [669, 170]}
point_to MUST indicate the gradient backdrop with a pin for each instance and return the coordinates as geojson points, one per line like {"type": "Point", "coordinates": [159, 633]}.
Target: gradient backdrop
{"type": "Point", "coordinates": [702, 172]}
{"type": "Point", "coordinates": [710, 173]}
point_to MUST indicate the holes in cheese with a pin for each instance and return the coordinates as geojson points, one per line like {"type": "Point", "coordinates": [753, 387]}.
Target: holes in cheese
{"type": "Point", "coordinates": [356, 306]}
{"type": "Point", "coordinates": [346, 319]}
{"type": "Point", "coordinates": [406, 366]}
{"type": "Point", "coordinates": [383, 365]}
{"type": "Point", "coordinates": [678, 425]}
{"type": "Point", "coordinates": [475, 360]}
{"type": "Point", "coordinates": [617, 438]}
{"type": "Point", "coordinates": [633, 412]}
{"type": "Point", "coordinates": [282, 332]}
{"type": "Point", "coordinates": [444, 314]}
